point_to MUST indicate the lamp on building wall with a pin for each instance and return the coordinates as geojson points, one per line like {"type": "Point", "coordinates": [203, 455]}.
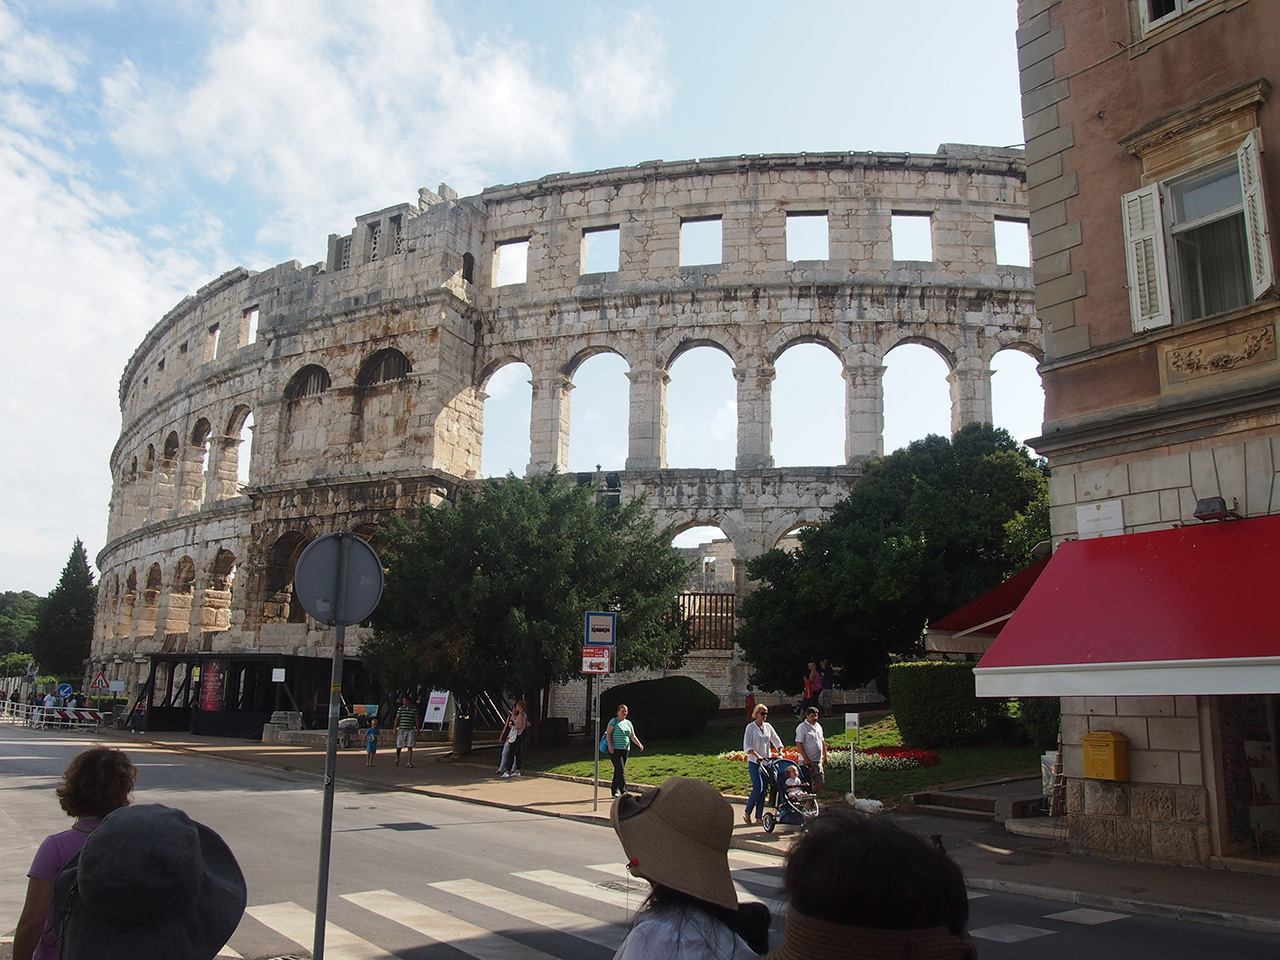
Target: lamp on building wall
{"type": "Point", "coordinates": [1215, 508]}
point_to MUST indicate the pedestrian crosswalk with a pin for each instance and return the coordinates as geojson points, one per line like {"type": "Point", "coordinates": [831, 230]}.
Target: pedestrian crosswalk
{"type": "Point", "coordinates": [539, 914]}
{"type": "Point", "coordinates": [589, 917]}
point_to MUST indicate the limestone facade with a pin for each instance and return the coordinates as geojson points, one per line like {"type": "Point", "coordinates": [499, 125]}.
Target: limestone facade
{"type": "Point", "coordinates": [358, 382]}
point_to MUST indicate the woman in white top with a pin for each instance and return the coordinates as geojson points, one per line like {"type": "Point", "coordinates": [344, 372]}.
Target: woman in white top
{"type": "Point", "coordinates": [759, 742]}
{"type": "Point", "coordinates": [512, 731]}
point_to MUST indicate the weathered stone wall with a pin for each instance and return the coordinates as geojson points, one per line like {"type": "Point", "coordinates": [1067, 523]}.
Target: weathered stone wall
{"type": "Point", "coordinates": [365, 374]}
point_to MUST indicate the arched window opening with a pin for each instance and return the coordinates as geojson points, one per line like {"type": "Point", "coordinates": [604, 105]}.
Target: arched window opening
{"type": "Point", "coordinates": [150, 602]}
{"type": "Point", "coordinates": [171, 446]}
{"type": "Point", "coordinates": [369, 533]}
{"type": "Point", "coordinates": [702, 410]}
{"type": "Point", "coordinates": [124, 612]}
{"type": "Point", "coordinates": [281, 604]}
{"type": "Point", "coordinates": [215, 615]}
{"type": "Point", "coordinates": [133, 469]}
{"type": "Point", "coordinates": [200, 439]}
{"type": "Point", "coordinates": [917, 397]}
{"type": "Point", "coordinates": [508, 410]}
{"type": "Point", "coordinates": [1017, 396]}
{"type": "Point", "coordinates": [177, 619]}
{"type": "Point", "coordinates": [383, 366]}
{"type": "Point", "coordinates": [599, 414]}
{"type": "Point", "coordinates": [311, 381]}
{"type": "Point", "coordinates": [708, 599]}
{"type": "Point", "coordinates": [789, 542]}
{"type": "Point", "coordinates": [151, 455]}
{"type": "Point", "coordinates": [468, 268]}
{"type": "Point", "coordinates": [808, 407]}
{"type": "Point", "coordinates": [237, 449]}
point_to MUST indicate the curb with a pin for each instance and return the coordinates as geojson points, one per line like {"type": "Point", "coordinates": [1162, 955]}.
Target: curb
{"type": "Point", "coordinates": [1166, 911]}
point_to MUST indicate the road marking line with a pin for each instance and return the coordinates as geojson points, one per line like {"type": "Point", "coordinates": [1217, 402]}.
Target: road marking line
{"type": "Point", "coordinates": [776, 907]}
{"type": "Point", "coordinates": [299, 925]}
{"type": "Point", "coordinates": [629, 902]}
{"type": "Point", "coordinates": [473, 940]}
{"type": "Point", "coordinates": [1009, 932]}
{"type": "Point", "coordinates": [535, 911]}
{"type": "Point", "coordinates": [1086, 916]}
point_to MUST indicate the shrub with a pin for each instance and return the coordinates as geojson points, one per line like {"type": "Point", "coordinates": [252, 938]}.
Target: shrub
{"type": "Point", "coordinates": [666, 707]}
{"type": "Point", "coordinates": [1039, 718]}
{"type": "Point", "coordinates": [935, 706]}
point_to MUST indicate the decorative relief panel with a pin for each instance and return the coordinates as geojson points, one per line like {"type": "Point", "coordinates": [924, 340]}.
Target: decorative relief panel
{"type": "Point", "coordinates": [1244, 349]}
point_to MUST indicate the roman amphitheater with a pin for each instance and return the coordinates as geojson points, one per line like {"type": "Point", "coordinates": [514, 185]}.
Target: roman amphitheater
{"type": "Point", "coordinates": [359, 384]}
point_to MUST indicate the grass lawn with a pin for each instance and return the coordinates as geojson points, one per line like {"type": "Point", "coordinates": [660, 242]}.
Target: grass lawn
{"type": "Point", "coordinates": [696, 757]}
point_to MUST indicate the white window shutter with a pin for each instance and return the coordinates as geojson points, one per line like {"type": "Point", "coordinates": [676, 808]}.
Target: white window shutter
{"type": "Point", "coordinates": [1145, 257]}
{"type": "Point", "coordinates": [1261, 266]}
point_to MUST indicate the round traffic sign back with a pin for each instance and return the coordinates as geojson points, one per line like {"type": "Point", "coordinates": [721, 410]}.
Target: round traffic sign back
{"type": "Point", "coordinates": [338, 579]}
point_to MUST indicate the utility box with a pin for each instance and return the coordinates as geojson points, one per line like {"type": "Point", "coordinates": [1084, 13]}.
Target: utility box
{"type": "Point", "coordinates": [1106, 755]}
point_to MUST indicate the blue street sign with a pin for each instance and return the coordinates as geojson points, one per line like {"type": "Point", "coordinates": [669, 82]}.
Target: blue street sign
{"type": "Point", "coordinates": [65, 690]}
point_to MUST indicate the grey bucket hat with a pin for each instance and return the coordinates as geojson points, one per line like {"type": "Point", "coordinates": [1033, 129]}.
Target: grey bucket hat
{"type": "Point", "coordinates": [149, 882]}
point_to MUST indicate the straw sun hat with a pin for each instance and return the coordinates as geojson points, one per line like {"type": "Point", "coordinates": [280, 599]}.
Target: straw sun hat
{"type": "Point", "coordinates": [678, 836]}
{"type": "Point", "coordinates": [149, 882]}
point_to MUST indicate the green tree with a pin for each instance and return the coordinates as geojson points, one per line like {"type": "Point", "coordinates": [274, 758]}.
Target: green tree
{"type": "Point", "coordinates": [490, 595]}
{"type": "Point", "coordinates": [64, 625]}
{"type": "Point", "coordinates": [921, 534]}
{"type": "Point", "coordinates": [17, 619]}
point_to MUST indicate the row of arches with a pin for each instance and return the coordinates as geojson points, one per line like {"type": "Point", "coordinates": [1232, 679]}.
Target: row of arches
{"type": "Point", "coordinates": [142, 607]}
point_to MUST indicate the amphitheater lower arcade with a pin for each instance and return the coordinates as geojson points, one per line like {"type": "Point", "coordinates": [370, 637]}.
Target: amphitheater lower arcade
{"type": "Point", "coordinates": [358, 383]}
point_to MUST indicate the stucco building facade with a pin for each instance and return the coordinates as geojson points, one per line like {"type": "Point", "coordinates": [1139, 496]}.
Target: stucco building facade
{"type": "Point", "coordinates": [1152, 200]}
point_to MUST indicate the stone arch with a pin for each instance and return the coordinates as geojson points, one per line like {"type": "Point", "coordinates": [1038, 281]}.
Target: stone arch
{"type": "Point", "coordinates": [513, 416]}
{"type": "Point", "coordinates": [787, 526]}
{"type": "Point", "coordinates": [370, 533]}
{"type": "Point", "coordinates": [198, 464]}
{"type": "Point", "coordinates": [215, 606]}
{"type": "Point", "coordinates": [311, 381]}
{"type": "Point", "coordinates": [177, 616]}
{"type": "Point", "coordinates": [235, 460]}
{"type": "Point", "coordinates": [380, 403]}
{"type": "Point", "coordinates": [594, 429]}
{"type": "Point", "coordinates": [382, 367]}
{"type": "Point", "coordinates": [305, 427]}
{"type": "Point", "coordinates": [803, 391]}
{"type": "Point", "coordinates": [702, 405]}
{"type": "Point", "coordinates": [281, 604]}
{"type": "Point", "coordinates": [685, 344]}
{"type": "Point", "coordinates": [171, 446]}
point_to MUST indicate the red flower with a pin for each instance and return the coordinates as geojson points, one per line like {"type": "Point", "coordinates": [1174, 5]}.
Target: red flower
{"type": "Point", "coordinates": [926, 758]}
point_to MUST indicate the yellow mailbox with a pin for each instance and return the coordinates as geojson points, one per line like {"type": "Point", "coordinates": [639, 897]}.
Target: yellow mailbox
{"type": "Point", "coordinates": [1106, 755]}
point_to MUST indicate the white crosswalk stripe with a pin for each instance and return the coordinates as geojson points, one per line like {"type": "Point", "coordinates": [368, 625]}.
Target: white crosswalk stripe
{"type": "Point", "coordinates": [619, 872]}
{"type": "Point", "coordinates": [298, 924]}
{"type": "Point", "coordinates": [535, 911]}
{"type": "Point", "coordinates": [628, 901]}
{"type": "Point", "coordinates": [475, 941]}
{"type": "Point", "coordinates": [228, 953]}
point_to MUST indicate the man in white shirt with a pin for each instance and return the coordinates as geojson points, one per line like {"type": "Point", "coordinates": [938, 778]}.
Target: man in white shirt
{"type": "Point", "coordinates": [812, 744]}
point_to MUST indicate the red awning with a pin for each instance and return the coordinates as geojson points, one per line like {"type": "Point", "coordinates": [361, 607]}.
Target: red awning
{"type": "Point", "coordinates": [1193, 610]}
{"type": "Point", "coordinates": [972, 628]}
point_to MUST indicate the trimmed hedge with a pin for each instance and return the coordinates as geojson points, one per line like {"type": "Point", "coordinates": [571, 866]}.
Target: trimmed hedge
{"type": "Point", "coordinates": [935, 706]}
{"type": "Point", "coordinates": [666, 707]}
{"type": "Point", "coordinates": [1039, 717]}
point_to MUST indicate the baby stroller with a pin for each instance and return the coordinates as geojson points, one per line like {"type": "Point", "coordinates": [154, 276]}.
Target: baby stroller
{"type": "Point", "coordinates": [792, 811]}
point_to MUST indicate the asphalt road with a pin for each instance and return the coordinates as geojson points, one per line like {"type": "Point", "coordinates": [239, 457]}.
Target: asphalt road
{"type": "Point", "coordinates": [417, 877]}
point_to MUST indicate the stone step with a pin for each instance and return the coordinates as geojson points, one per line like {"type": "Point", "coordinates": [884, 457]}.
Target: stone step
{"type": "Point", "coordinates": [957, 813]}
{"type": "Point", "coordinates": [967, 801]}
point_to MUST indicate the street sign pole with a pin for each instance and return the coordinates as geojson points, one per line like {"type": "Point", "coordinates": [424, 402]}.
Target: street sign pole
{"type": "Point", "coordinates": [338, 580]}
{"type": "Point", "coordinates": [331, 748]}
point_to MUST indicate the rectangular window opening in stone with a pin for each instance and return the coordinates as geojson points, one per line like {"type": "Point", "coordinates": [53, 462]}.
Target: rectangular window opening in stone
{"type": "Point", "coordinates": [211, 343]}
{"type": "Point", "coordinates": [807, 236]}
{"type": "Point", "coordinates": [601, 250]}
{"type": "Point", "coordinates": [701, 241]}
{"type": "Point", "coordinates": [160, 365]}
{"type": "Point", "coordinates": [344, 253]}
{"type": "Point", "coordinates": [511, 262]}
{"type": "Point", "coordinates": [397, 235]}
{"type": "Point", "coordinates": [250, 326]}
{"type": "Point", "coordinates": [373, 250]}
{"type": "Point", "coordinates": [912, 236]}
{"type": "Point", "coordinates": [1013, 242]}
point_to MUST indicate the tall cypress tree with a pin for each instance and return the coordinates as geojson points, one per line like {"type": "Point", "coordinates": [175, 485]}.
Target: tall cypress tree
{"type": "Point", "coordinates": [64, 626]}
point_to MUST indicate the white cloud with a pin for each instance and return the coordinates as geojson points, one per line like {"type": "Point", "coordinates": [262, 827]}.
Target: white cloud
{"type": "Point", "coordinates": [622, 78]}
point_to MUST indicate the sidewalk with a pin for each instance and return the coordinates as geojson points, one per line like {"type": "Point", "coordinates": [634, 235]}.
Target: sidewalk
{"type": "Point", "coordinates": [992, 858]}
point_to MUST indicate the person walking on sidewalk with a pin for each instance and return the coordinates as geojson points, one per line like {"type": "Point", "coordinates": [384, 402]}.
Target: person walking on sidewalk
{"type": "Point", "coordinates": [760, 742]}
{"type": "Point", "coordinates": [618, 737]}
{"type": "Point", "coordinates": [512, 731]}
{"type": "Point", "coordinates": [371, 741]}
{"type": "Point", "coordinates": [812, 744]}
{"type": "Point", "coordinates": [406, 728]}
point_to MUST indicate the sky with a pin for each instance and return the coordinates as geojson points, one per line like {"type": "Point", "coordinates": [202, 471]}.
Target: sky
{"type": "Point", "coordinates": [148, 147]}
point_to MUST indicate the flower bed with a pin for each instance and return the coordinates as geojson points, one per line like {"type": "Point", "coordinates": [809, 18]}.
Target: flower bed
{"type": "Point", "coordinates": [872, 758]}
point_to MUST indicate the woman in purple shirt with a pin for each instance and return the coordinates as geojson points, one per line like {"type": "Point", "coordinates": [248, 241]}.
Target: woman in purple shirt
{"type": "Point", "coordinates": [96, 782]}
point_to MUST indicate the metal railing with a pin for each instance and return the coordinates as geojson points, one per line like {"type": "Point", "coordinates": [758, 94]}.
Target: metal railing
{"type": "Point", "coordinates": [50, 718]}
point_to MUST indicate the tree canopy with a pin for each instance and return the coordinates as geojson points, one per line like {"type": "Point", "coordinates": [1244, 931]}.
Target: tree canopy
{"type": "Point", "coordinates": [925, 530]}
{"type": "Point", "coordinates": [17, 619]}
{"type": "Point", "coordinates": [490, 595]}
{"type": "Point", "coordinates": [63, 632]}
